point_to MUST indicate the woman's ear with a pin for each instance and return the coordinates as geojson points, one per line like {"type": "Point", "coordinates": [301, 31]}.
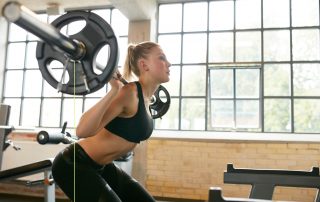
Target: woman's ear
{"type": "Point", "coordinates": [143, 64]}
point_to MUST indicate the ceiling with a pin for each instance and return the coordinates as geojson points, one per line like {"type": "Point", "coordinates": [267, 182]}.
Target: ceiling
{"type": "Point", "coordinates": [41, 5]}
{"type": "Point", "coordinates": [132, 9]}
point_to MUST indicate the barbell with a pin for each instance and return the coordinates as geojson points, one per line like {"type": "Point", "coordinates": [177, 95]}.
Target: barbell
{"type": "Point", "coordinates": [77, 52]}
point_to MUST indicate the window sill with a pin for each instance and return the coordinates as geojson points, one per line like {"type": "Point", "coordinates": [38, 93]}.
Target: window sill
{"type": "Point", "coordinates": [235, 136]}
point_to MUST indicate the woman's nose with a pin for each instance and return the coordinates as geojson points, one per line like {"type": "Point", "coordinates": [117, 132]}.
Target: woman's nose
{"type": "Point", "coordinates": [168, 64]}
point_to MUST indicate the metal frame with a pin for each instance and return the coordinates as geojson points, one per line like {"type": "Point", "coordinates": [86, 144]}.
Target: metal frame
{"type": "Point", "coordinates": [262, 62]}
{"type": "Point", "coordinates": [264, 181]}
{"type": "Point", "coordinates": [215, 195]}
{"type": "Point", "coordinates": [30, 169]}
{"type": "Point", "coordinates": [4, 119]}
{"type": "Point", "coordinates": [50, 189]}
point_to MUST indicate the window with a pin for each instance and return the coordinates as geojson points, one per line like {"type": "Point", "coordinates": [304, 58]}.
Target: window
{"type": "Point", "coordinates": [234, 98]}
{"type": "Point", "coordinates": [242, 65]}
{"type": "Point", "coordinates": [33, 101]}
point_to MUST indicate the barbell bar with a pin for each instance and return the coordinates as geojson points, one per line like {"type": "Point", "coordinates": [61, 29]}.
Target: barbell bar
{"type": "Point", "coordinates": [26, 19]}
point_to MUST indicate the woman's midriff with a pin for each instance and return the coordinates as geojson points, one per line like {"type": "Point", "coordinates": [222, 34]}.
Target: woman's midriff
{"type": "Point", "coordinates": [106, 147]}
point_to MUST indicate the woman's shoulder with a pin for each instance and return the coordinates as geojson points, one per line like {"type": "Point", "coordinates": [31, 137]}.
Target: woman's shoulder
{"type": "Point", "coordinates": [129, 97]}
{"type": "Point", "coordinates": [130, 87]}
{"type": "Point", "coordinates": [129, 90]}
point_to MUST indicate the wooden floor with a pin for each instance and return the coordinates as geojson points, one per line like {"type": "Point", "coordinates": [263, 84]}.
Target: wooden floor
{"type": "Point", "coordinates": [12, 198]}
{"type": "Point", "coordinates": [9, 192]}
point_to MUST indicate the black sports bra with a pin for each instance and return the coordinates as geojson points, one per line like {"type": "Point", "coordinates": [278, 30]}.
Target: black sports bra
{"type": "Point", "coordinates": [136, 128]}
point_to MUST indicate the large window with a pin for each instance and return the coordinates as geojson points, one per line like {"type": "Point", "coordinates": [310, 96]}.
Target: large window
{"type": "Point", "coordinates": [33, 101]}
{"type": "Point", "coordinates": [242, 65]}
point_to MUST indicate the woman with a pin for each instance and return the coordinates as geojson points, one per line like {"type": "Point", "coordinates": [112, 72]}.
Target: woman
{"type": "Point", "coordinates": [112, 128]}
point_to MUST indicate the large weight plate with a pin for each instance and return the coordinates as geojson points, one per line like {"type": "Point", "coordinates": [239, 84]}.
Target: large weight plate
{"type": "Point", "coordinates": [160, 103]}
{"type": "Point", "coordinates": [98, 39]}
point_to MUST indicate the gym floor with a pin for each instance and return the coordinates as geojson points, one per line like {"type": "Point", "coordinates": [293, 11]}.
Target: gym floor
{"type": "Point", "coordinates": [15, 197]}
{"type": "Point", "coordinates": [11, 198]}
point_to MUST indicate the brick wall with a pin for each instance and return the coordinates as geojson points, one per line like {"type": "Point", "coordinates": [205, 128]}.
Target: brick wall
{"type": "Point", "coordinates": [186, 169]}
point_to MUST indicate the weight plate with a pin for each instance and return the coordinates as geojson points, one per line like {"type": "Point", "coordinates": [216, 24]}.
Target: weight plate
{"type": "Point", "coordinates": [160, 104]}
{"type": "Point", "coordinates": [84, 75]}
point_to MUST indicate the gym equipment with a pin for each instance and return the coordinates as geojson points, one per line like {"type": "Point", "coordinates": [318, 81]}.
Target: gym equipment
{"type": "Point", "coordinates": [5, 130]}
{"type": "Point", "coordinates": [215, 195]}
{"type": "Point", "coordinates": [158, 106]}
{"type": "Point", "coordinates": [91, 39]}
{"type": "Point", "coordinates": [4, 119]}
{"type": "Point", "coordinates": [78, 53]}
{"type": "Point", "coordinates": [81, 49]}
{"type": "Point", "coordinates": [43, 137]}
{"type": "Point", "coordinates": [264, 181]}
{"type": "Point", "coordinates": [26, 170]}
{"type": "Point", "coordinates": [30, 169]}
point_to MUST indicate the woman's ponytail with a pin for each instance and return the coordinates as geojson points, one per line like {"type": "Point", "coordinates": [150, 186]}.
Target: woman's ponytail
{"type": "Point", "coordinates": [127, 69]}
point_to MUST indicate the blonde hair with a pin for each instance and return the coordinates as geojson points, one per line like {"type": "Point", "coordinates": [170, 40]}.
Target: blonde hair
{"type": "Point", "coordinates": [134, 53]}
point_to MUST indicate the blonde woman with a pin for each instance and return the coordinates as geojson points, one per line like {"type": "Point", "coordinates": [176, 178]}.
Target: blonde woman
{"type": "Point", "coordinates": [112, 128]}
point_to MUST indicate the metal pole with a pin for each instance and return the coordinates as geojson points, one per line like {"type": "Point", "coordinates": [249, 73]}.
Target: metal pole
{"type": "Point", "coordinates": [26, 19]}
{"type": "Point", "coordinates": [50, 191]}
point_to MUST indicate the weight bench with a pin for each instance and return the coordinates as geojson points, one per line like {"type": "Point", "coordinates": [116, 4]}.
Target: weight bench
{"type": "Point", "coordinates": [30, 169]}
{"type": "Point", "coordinates": [215, 195]}
{"type": "Point", "coordinates": [264, 181]}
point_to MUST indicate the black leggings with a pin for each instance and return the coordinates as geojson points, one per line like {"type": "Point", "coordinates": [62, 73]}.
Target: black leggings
{"type": "Point", "coordinates": [93, 182]}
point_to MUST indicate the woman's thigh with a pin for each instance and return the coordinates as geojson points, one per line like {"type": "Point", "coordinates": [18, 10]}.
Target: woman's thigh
{"type": "Point", "coordinates": [126, 187]}
{"type": "Point", "coordinates": [80, 182]}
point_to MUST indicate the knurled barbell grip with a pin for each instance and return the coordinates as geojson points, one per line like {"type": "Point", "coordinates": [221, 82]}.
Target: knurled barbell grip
{"type": "Point", "coordinates": [26, 19]}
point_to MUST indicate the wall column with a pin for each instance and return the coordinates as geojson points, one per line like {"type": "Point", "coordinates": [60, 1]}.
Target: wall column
{"type": "Point", "coordinates": [3, 47]}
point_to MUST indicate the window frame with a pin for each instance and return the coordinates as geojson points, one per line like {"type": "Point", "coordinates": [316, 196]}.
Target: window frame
{"type": "Point", "coordinates": [261, 62]}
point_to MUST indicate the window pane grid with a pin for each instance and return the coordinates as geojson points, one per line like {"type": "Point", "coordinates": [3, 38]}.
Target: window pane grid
{"type": "Point", "coordinates": [282, 48]}
{"type": "Point", "coordinates": [233, 87]}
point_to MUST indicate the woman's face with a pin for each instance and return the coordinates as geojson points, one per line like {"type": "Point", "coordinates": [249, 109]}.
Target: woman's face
{"type": "Point", "coordinates": [158, 65]}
